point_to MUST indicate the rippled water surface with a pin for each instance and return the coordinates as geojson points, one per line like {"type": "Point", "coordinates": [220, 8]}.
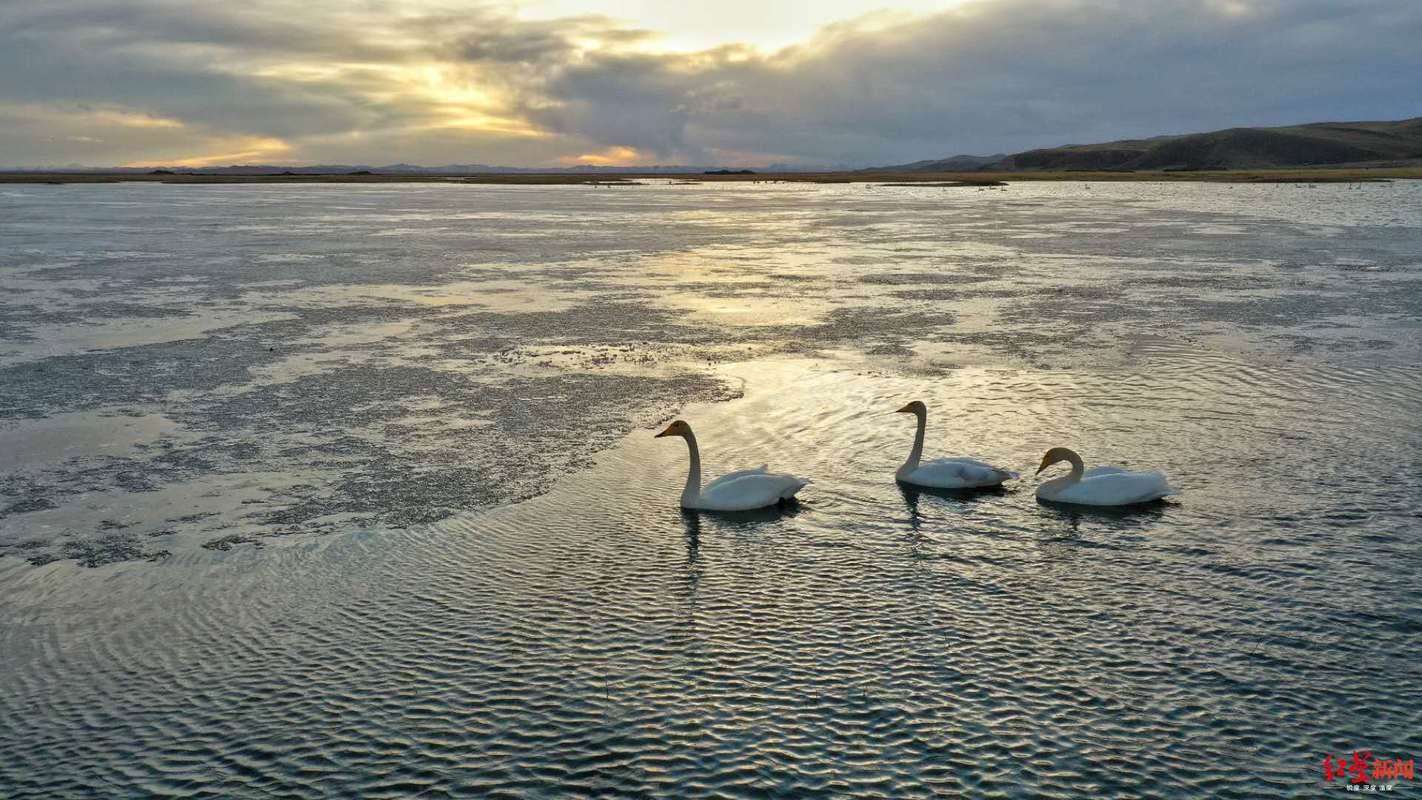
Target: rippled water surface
{"type": "Point", "coordinates": [352, 491]}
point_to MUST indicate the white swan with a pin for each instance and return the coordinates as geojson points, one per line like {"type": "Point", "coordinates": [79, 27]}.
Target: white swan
{"type": "Point", "coordinates": [944, 473]}
{"type": "Point", "coordinates": [1100, 486]}
{"type": "Point", "coordinates": [742, 490]}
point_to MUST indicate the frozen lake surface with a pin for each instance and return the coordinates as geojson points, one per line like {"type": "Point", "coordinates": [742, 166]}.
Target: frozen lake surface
{"type": "Point", "coordinates": [350, 490]}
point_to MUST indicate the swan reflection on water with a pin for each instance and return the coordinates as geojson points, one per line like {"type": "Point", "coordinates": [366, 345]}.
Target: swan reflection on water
{"type": "Point", "coordinates": [732, 522]}
{"type": "Point", "coordinates": [1138, 517]}
{"type": "Point", "coordinates": [727, 521]}
{"type": "Point", "coordinates": [735, 521]}
{"type": "Point", "coordinates": [957, 499]}
{"type": "Point", "coordinates": [1123, 519]}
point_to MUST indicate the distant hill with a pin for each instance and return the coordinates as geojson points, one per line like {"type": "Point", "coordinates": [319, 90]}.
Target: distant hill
{"type": "Point", "coordinates": [953, 163]}
{"type": "Point", "coordinates": [1322, 143]}
{"type": "Point", "coordinates": [397, 169]}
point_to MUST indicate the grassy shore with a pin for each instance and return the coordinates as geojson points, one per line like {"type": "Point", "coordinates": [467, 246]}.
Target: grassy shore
{"type": "Point", "coordinates": [953, 179]}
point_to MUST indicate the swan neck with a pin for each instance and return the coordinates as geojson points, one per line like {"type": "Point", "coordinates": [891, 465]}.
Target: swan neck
{"type": "Point", "coordinates": [693, 475]}
{"type": "Point", "coordinates": [1077, 468]}
{"type": "Point", "coordinates": [917, 452]}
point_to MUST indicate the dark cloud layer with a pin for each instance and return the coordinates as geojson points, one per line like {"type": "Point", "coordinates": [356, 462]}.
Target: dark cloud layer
{"type": "Point", "coordinates": [439, 83]}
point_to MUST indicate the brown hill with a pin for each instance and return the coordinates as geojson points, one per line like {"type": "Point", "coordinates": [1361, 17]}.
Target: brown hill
{"type": "Point", "coordinates": [1323, 143]}
{"type": "Point", "coordinates": [1241, 148]}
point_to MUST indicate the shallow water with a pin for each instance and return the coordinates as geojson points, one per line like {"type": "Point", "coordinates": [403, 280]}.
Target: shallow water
{"type": "Point", "coordinates": [439, 352]}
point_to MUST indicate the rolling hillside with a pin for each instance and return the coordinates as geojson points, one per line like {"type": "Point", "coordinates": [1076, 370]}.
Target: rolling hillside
{"type": "Point", "coordinates": [1323, 143]}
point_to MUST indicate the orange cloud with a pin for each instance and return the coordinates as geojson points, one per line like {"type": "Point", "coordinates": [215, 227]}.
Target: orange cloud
{"type": "Point", "coordinates": [248, 149]}
{"type": "Point", "coordinates": [616, 156]}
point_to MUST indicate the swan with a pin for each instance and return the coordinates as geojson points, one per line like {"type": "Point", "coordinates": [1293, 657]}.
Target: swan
{"type": "Point", "coordinates": [1100, 486]}
{"type": "Point", "coordinates": [742, 490]}
{"type": "Point", "coordinates": [944, 473]}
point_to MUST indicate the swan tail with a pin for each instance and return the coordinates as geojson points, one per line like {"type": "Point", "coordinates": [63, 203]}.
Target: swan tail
{"type": "Point", "coordinates": [1157, 494]}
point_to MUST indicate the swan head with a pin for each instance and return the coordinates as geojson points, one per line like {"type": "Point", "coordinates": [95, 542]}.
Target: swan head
{"type": "Point", "coordinates": [916, 407]}
{"type": "Point", "coordinates": [1056, 455]}
{"type": "Point", "coordinates": [677, 428]}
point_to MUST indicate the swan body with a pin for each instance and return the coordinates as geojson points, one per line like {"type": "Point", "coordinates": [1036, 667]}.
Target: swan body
{"type": "Point", "coordinates": [945, 473]}
{"type": "Point", "coordinates": [742, 490]}
{"type": "Point", "coordinates": [1100, 486]}
{"type": "Point", "coordinates": [954, 473]}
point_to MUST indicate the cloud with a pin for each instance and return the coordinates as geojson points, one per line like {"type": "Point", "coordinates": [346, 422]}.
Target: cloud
{"type": "Point", "coordinates": [440, 81]}
{"type": "Point", "coordinates": [65, 133]}
{"type": "Point", "coordinates": [611, 156]}
{"type": "Point", "coordinates": [1009, 75]}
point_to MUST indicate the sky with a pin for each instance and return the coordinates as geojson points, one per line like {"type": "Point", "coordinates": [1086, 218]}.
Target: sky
{"type": "Point", "coordinates": [737, 82]}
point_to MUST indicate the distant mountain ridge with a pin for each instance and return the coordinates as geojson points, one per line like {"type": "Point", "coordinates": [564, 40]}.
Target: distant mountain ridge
{"type": "Point", "coordinates": [960, 163]}
{"type": "Point", "coordinates": [1316, 144]}
{"type": "Point", "coordinates": [415, 169]}
{"type": "Point", "coordinates": [1356, 144]}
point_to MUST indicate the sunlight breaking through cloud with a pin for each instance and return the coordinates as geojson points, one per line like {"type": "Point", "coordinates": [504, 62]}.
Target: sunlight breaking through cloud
{"type": "Point", "coordinates": [612, 156]}
{"type": "Point", "coordinates": [443, 82]}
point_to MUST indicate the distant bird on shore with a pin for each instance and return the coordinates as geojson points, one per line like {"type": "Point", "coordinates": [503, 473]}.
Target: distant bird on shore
{"type": "Point", "coordinates": [1099, 486]}
{"type": "Point", "coordinates": [743, 490]}
{"type": "Point", "coordinates": [944, 473]}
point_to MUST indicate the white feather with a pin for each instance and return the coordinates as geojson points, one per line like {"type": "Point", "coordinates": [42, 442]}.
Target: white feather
{"type": "Point", "coordinates": [945, 473]}
{"type": "Point", "coordinates": [1105, 486]}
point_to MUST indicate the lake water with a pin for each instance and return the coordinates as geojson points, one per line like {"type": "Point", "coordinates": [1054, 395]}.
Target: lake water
{"type": "Point", "coordinates": [351, 490]}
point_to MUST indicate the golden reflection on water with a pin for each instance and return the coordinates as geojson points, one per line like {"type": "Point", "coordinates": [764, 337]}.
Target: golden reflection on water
{"type": "Point", "coordinates": [596, 627]}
